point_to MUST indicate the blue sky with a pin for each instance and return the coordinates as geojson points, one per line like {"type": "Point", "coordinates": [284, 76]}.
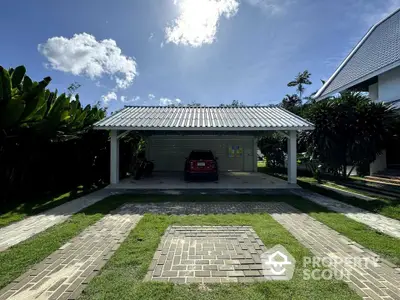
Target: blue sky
{"type": "Point", "coordinates": [157, 52]}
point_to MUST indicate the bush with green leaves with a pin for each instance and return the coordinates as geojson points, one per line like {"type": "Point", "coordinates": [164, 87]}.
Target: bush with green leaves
{"type": "Point", "coordinates": [47, 144]}
{"type": "Point", "coordinates": [350, 130]}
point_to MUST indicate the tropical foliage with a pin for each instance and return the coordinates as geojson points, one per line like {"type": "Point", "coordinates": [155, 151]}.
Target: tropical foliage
{"type": "Point", "coordinates": [273, 146]}
{"type": "Point", "coordinates": [350, 130]}
{"type": "Point", "coordinates": [46, 140]}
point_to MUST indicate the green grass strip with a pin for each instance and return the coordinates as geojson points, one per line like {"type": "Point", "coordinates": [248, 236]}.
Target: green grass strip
{"type": "Point", "coordinates": [386, 246]}
{"type": "Point", "coordinates": [17, 259]}
{"type": "Point", "coordinates": [381, 205]}
{"type": "Point", "coordinates": [36, 206]}
{"type": "Point", "coordinates": [122, 277]}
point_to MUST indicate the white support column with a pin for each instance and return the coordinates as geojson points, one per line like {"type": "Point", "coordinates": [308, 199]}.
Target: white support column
{"type": "Point", "coordinates": [114, 157]}
{"type": "Point", "coordinates": [288, 159]}
{"type": "Point", "coordinates": [255, 157]}
{"type": "Point", "coordinates": [292, 157]}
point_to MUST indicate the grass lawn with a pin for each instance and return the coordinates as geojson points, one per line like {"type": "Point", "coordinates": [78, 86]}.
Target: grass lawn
{"type": "Point", "coordinates": [386, 246]}
{"type": "Point", "coordinates": [131, 261]}
{"type": "Point", "coordinates": [17, 259]}
{"type": "Point", "coordinates": [262, 163]}
{"type": "Point", "coordinates": [382, 205]}
{"type": "Point", "coordinates": [14, 214]}
{"type": "Point", "coordinates": [122, 277]}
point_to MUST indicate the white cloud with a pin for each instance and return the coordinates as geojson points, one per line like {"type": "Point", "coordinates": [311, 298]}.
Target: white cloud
{"type": "Point", "coordinates": [84, 55]}
{"type": "Point", "coordinates": [135, 99]}
{"type": "Point", "coordinates": [109, 97]}
{"type": "Point", "coordinates": [125, 99]}
{"type": "Point", "coordinates": [271, 6]}
{"type": "Point", "coordinates": [151, 36]}
{"type": "Point", "coordinates": [151, 97]}
{"type": "Point", "coordinates": [198, 21]}
{"type": "Point", "coordinates": [167, 101]}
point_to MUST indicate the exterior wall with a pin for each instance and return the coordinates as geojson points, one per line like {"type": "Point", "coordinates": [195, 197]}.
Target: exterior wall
{"type": "Point", "coordinates": [373, 92]}
{"type": "Point", "coordinates": [389, 85]}
{"type": "Point", "coordinates": [169, 152]}
{"type": "Point", "coordinates": [379, 164]}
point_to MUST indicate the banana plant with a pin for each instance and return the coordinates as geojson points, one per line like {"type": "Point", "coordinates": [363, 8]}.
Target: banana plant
{"type": "Point", "coordinates": [20, 98]}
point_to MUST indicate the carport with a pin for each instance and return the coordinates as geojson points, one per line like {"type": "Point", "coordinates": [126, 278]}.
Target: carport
{"type": "Point", "coordinates": [230, 132]}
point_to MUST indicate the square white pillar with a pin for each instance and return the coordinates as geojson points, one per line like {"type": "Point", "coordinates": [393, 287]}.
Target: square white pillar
{"type": "Point", "coordinates": [288, 159]}
{"type": "Point", "coordinates": [292, 157]}
{"type": "Point", "coordinates": [114, 157]}
{"type": "Point", "coordinates": [255, 158]}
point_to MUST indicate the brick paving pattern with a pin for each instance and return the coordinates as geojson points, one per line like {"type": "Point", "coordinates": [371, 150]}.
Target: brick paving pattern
{"type": "Point", "coordinates": [370, 281]}
{"type": "Point", "coordinates": [378, 222]}
{"type": "Point", "coordinates": [23, 230]}
{"type": "Point", "coordinates": [66, 272]}
{"type": "Point", "coordinates": [201, 208]}
{"type": "Point", "coordinates": [208, 254]}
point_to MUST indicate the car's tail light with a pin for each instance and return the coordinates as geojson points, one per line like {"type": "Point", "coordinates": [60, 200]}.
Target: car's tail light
{"type": "Point", "coordinates": [212, 165]}
{"type": "Point", "coordinates": [192, 165]}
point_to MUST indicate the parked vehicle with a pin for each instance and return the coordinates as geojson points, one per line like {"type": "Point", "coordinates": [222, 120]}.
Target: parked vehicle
{"type": "Point", "coordinates": [201, 164]}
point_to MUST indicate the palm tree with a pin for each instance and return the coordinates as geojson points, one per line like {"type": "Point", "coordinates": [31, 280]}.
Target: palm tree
{"type": "Point", "coordinates": [301, 80]}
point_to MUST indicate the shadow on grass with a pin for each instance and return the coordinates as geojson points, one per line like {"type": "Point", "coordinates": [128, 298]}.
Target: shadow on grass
{"type": "Point", "coordinates": [17, 210]}
{"type": "Point", "coordinates": [384, 206]}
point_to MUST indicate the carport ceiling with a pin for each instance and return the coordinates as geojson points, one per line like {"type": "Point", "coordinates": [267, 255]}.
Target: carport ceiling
{"type": "Point", "coordinates": [203, 119]}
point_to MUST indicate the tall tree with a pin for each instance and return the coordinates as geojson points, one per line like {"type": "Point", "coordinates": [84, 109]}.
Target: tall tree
{"type": "Point", "coordinates": [302, 79]}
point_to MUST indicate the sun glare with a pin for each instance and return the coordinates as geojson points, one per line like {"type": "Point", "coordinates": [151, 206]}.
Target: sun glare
{"type": "Point", "coordinates": [198, 21]}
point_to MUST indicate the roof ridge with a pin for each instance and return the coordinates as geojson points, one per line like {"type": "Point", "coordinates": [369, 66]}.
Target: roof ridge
{"type": "Point", "coordinates": [208, 106]}
{"type": "Point", "coordinates": [352, 53]}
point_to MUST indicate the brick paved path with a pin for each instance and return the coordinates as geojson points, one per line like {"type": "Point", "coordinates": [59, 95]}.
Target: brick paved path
{"type": "Point", "coordinates": [380, 281]}
{"type": "Point", "coordinates": [208, 254]}
{"type": "Point", "coordinates": [199, 208]}
{"type": "Point", "coordinates": [22, 230]}
{"type": "Point", "coordinates": [378, 222]}
{"type": "Point", "coordinates": [66, 272]}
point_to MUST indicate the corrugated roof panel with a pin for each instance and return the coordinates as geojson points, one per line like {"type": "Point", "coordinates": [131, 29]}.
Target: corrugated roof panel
{"type": "Point", "coordinates": [181, 118]}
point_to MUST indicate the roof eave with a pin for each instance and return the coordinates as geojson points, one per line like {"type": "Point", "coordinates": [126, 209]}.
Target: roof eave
{"type": "Point", "coordinates": [358, 81]}
{"type": "Point", "coordinates": [192, 129]}
{"type": "Point", "coordinates": [318, 95]}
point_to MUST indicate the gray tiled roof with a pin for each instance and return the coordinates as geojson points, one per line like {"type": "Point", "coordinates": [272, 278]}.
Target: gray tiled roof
{"type": "Point", "coordinates": [206, 118]}
{"type": "Point", "coordinates": [379, 48]}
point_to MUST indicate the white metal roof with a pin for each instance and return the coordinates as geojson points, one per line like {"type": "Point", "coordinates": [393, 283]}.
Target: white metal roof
{"type": "Point", "coordinates": [377, 52]}
{"type": "Point", "coordinates": [203, 118]}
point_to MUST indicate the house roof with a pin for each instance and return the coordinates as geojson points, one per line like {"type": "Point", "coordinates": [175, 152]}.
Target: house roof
{"type": "Point", "coordinates": [203, 118]}
{"type": "Point", "coordinates": [377, 52]}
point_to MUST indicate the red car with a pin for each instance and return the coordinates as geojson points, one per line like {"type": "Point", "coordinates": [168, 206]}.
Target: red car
{"type": "Point", "coordinates": [201, 164]}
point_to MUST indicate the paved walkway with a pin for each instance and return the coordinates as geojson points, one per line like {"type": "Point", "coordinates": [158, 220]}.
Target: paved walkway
{"type": "Point", "coordinates": [378, 280]}
{"type": "Point", "coordinates": [376, 221]}
{"type": "Point", "coordinates": [66, 272]}
{"type": "Point", "coordinates": [208, 254]}
{"type": "Point", "coordinates": [23, 230]}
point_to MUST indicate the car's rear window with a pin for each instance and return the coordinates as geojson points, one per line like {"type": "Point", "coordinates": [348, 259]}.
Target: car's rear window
{"type": "Point", "coordinates": [201, 155]}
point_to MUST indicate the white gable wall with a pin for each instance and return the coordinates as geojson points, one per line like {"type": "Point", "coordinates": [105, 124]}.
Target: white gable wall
{"type": "Point", "coordinates": [387, 89]}
{"type": "Point", "coordinates": [389, 85]}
